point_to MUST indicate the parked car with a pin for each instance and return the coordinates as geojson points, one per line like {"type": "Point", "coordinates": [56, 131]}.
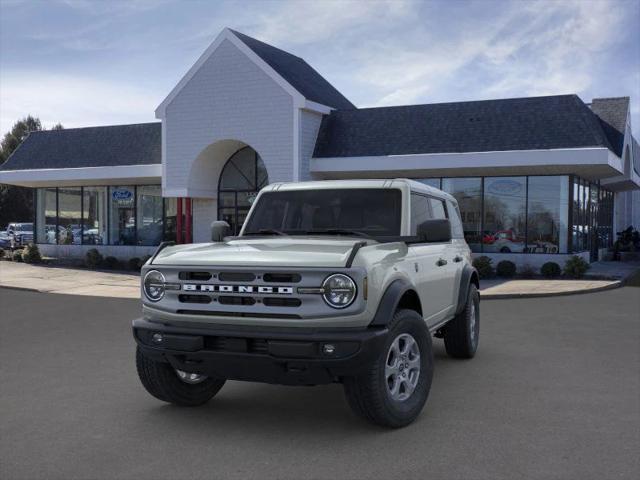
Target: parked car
{"type": "Point", "coordinates": [5, 240]}
{"type": "Point", "coordinates": [20, 234]}
{"type": "Point", "coordinates": [504, 241]}
{"type": "Point", "coordinates": [328, 282]}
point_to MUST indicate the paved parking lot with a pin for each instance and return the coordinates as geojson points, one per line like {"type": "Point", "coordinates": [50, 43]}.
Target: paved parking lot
{"type": "Point", "coordinates": [553, 393]}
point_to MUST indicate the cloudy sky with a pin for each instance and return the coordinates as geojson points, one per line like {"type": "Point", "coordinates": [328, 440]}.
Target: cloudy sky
{"type": "Point", "coordinates": [82, 62]}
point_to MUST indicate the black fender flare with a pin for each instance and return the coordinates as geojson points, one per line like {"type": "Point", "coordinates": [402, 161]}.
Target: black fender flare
{"type": "Point", "coordinates": [469, 276]}
{"type": "Point", "coordinates": [389, 302]}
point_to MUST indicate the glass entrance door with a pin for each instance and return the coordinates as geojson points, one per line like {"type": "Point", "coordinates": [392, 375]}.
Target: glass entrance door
{"type": "Point", "coordinates": [242, 177]}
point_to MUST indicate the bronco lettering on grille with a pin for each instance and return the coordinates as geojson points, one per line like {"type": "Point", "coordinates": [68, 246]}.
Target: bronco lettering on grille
{"type": "Point", "coordinates": [194, 287]}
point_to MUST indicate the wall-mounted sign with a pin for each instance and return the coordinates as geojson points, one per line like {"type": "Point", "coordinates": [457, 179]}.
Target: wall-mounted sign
{"type": "Point", "coordinates": [122, 196]}
{"type": "Point", "coordinates": [505, 187]}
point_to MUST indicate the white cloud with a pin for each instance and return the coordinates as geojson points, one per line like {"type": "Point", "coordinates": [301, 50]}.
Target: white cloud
{"type": "Point", "coordinates": [314, 21]}
{"type": "Point", "coordinates": [72, 100]}
{"type": "Point", "coordinates": [533, 48]}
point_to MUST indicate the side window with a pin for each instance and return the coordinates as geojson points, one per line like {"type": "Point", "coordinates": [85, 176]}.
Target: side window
{"type": "Point", "coordinates": [437, 207]}
{"type": "Point", "coordinates": [456, 223]}
{"type": "Point", "coordinates": [420, 211]}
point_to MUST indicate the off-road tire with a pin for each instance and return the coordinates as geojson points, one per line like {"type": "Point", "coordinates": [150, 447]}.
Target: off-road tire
{"type": "Point", "coordinates": [368, 395]}
{"type": "Point", "coordinates": [458, 340]}
{"type": "Point", "coordinates": [161, 381]}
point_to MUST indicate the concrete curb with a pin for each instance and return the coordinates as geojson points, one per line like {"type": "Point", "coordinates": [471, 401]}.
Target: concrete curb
{"type": "Point", "coordinates": [506, 296]}
{"type": "Point", "coordinates": [25, 289]}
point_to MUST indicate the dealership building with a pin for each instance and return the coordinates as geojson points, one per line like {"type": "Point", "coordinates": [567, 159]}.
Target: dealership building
{"type": "Point", "coordinates": [536, 178]}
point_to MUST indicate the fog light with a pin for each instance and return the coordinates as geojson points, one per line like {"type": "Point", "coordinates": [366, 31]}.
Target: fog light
{"type": "Point", "coordinates": [328, 348]}
{"type": "Point", "coordinates": [157, 338]}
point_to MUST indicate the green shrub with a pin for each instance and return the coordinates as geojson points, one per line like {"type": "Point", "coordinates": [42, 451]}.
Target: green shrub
{"type": "Point", "coordinates": [1, 252]}
{"type": "Point", "coordinates": [31, 254]}
{"type": "Point", "coordinates": [550, 270]}
{"type": "Point", "coordinates": [17, 257]}
{"type": "Point", "coordinates": [576, 267]}
{"type": "Point", "coordinates": [506, 268]}
{"type": "Point", "coordinates": [93, 258]}
{"type": "Point", "coordinates": [111, 263]}
{"type": "Point", "coordinates": [134, 263]}
{"type": "Point", "coordinates": [527, 271]}
{"type": "Point", "coordinates": [483, 266]}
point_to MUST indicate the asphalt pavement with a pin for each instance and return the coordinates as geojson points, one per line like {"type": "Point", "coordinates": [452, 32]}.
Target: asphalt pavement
{"type": "Point", "coordinates": [554, 392]}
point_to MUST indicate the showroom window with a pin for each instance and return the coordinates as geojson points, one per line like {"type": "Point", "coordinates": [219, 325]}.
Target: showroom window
{"type": "Point", "coordinates": [468, 193]}
{"type": "Point", "coordinates": [94, 215]}
{"type": "Point", "coordinates": [548, 212]}
{"type": "Point", "coordinates": [122, 216]}
{"type": "Point", "coordinates": [70, 216]}
{"type": "Point", "coordinates": [46, 215]}
{"type": "Point", "coordinates": [149, 214]}
{"type": "Point", "coordinates": [505, 203]}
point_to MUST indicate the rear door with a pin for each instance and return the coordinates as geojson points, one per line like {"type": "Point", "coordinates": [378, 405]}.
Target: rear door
{"type": "Point", "coordinates": [432, 269]}
{"type": "Point", "coordinates": [452, 269]}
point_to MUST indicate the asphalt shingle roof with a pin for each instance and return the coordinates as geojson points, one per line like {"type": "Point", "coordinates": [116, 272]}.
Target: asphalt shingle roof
{"type": "Point", "coordinates": [108, 146]}
{"type": "Point", "coordinates": [532, 123]}
{"type": "Point", "coordinates": [612, 113]}
{"type": "Point", "coordinates": [298, 73]}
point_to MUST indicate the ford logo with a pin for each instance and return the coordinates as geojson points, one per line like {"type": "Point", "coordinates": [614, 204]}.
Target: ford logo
{"type": "Point", "coordinates": [505, 187]}
{"type": "Point", "coordinates": [122, 194]}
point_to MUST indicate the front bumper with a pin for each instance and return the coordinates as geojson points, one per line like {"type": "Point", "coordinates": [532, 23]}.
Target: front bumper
{"type": "Point", "coordinates": [288, 356]}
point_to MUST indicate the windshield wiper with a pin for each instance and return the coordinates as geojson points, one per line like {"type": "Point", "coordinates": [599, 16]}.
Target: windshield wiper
{"type": "Point", "coordinates": [267, 231]}
{"type": "Point", "coordinates": [339, 231]}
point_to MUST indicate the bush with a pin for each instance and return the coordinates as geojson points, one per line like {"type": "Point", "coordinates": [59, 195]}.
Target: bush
{"type": "Point", "coordinates": [17, 257]}
{"type": "Point", "coordinates": [506, 269]}
{"type": "Point", "coordinates": [31, 254]}
{"type": "Point", "coordinates": [1, 252]}
{"type": "Point", "coordinates": [576, 267]}
{"type": "Point", "coordinates": [93, 258]}
{"type": "Point", "coordinates": [527, 271]}
{"type": "Point", "coordinates": [550, 270]}
{"type": "Point", "coordinates": [134, 263]}
{"type": "Point", "coordinates": [483, 266]}
{"type": "Point", "coordinates": [111, 263]}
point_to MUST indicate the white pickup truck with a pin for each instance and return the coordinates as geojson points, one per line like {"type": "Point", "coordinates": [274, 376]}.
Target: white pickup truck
{"type": "Point", "coordinates": [19, 234]}
{"type": "Point", "coordinates": [331, 281]}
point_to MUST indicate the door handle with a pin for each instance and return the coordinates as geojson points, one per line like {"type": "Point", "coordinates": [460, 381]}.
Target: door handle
{"type": "Point", "coordinates": [441, 262]}
{"type": "Point", "coordinates": [457, 258]}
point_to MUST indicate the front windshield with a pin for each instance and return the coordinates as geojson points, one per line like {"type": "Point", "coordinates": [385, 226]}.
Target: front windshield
{"type": "Point", "coordinates": [373, 212]}
{"type": "Point", "coordinates": [24, 227]}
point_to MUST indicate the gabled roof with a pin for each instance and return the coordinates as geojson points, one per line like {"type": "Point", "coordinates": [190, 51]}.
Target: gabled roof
{"type": "Point", "coordinates": [292, 73]}
{"type": "Point", "coordinates": [298, 73]}
{"type": "Point", "coordinates": [110, 146]}
{"type": "Point", "coordinates": [534, 123]}
{"type": "Point", "coordinates": [613, 113]}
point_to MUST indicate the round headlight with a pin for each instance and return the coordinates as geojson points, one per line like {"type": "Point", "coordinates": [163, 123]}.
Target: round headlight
{"type": "Point", "coordinates": [154, 285]}
{"type": "Point", "coordinates": [339, 290]}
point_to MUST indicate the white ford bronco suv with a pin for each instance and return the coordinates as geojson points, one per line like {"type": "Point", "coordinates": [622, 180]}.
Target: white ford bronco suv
{"type": "Point", "coordinates": [329, 281]}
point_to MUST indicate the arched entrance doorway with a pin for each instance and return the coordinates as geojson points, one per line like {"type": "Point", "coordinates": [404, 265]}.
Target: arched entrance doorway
{"type": "Point", "coordinates": [242, 177]}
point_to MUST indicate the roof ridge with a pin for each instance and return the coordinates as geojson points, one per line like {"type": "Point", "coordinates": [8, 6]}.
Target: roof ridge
{"type": "Point", "coordinates": [237, 33]}
{"type": "Point", "coordinates": [467, 101]}
{"type": "Point", "coordinates": [97, 126]}
{"type": "Point", "coordinates": [625, 97]}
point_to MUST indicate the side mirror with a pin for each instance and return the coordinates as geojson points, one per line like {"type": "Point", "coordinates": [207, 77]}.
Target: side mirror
{"type": "Point", "coordinates": [435, 230]}
{"type": "Point", "coordinates": [219, 230]}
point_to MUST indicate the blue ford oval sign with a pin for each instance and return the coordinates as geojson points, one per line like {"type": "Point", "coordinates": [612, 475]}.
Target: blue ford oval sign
{"type": "Point", "coordinates": [505, 187]}
{"type": "Point", "coordinates": [122, 194]}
